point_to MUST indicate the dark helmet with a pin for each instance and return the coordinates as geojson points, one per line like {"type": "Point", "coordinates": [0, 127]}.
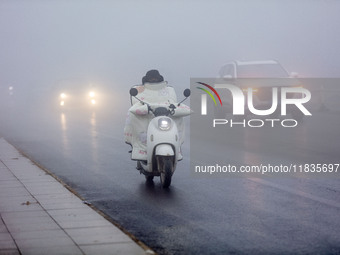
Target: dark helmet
{"type": "Point", "coordinates": [152, 76]}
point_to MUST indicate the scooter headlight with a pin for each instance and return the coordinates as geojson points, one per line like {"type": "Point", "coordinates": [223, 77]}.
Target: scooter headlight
{"type": "Point", "coordinates": [164, 124]}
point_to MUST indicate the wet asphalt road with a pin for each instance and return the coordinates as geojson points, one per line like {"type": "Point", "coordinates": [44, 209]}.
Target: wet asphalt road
{"type": "Point", "coordinates": [196, 215]}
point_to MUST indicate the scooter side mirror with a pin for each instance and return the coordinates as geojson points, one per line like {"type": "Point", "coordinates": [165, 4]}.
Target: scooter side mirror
{"type": "Point", "coordinates": [187, 92]}
{"type": "Point", "coordinates": [133, 92]}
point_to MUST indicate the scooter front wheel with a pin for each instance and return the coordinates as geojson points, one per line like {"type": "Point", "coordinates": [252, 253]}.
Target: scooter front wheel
{"type": "Point", "coordinates": [166, 172]}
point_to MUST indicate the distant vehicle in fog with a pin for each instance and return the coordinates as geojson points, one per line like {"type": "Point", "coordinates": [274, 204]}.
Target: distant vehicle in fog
{"type": "Point", "coordinates": [75, 94]}
{"type": "Point", "coordinates": [254, 69]}
{"type": "Point", "coordinates": [261, 77]}
{"type": "Point", "coordinates": [6, 90]}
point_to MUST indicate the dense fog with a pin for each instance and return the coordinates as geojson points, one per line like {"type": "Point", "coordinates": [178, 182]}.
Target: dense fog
{"type": "Point", "coordinates": [66, 67]}
{"type": "Point", "coordinates": [116, 42]}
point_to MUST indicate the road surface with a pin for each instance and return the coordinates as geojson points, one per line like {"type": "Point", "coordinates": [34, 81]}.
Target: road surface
{"type": "Point", "coordinates": [196, 215]}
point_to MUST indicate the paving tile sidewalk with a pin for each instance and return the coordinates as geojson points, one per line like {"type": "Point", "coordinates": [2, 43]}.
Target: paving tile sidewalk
{"type": "Point", "coordinates": [38, 215]}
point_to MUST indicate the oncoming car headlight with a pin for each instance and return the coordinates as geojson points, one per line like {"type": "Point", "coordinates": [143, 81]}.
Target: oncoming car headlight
{"type": "Point", "coordinates": [62, 99]}
{"type": "Point", "coordinates": [92, 97]}
{"type": "Point", "coordinates": [164, 124]}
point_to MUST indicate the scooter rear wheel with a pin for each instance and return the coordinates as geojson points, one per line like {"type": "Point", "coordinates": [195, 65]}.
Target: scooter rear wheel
{"type": "Point", "coordinates": [149, 178]}
{"type": "Point", "coordinates": [166, 172]}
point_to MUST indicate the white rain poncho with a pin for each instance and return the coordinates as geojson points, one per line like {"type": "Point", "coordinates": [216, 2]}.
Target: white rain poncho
{"type": "Point", "coordinates": [137, 124]}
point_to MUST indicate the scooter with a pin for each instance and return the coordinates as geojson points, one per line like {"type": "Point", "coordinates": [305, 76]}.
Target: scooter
{"type": "Point", "coordinates": [163, 141]}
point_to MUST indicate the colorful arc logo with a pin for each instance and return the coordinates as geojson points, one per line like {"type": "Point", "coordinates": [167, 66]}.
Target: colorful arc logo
{"type": "Point", "coordinates": [209, 93]}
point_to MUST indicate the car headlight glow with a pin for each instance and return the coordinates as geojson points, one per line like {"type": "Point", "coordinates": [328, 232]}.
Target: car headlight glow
{"type": "Point", "coordinates": [92, 94]}
{"type": "Point", "coordinates": [62, 95]}
{"type": "Point", "coordinates": [164, 124]}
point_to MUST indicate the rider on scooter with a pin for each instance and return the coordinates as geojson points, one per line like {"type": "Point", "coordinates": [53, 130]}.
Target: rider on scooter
{"type": "Point", "coordinates": [154, 90]}
{"type": "Point", "coordinates": [154, 82]}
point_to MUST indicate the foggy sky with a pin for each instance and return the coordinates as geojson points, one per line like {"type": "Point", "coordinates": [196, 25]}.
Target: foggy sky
{"type": "Point", "coordinates": [43, 41]}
